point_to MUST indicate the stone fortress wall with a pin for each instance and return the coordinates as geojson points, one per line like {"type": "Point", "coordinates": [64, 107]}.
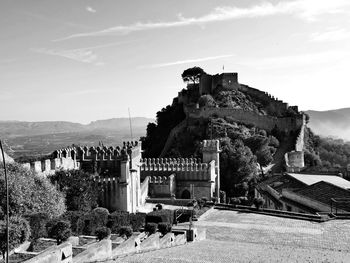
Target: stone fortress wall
{"type": "Point", "coordinates": [295, 159]}
{"type": "Point", "coordinates": [184, 177]}
{"type": "Point", "coordinates": [265, 122]}
{"type": "Point", "coordinates": [64, 159]}
{"type": "Point", "coordinates": [117, 171]}
{"type": "Point", "coordinates": [277, 110]}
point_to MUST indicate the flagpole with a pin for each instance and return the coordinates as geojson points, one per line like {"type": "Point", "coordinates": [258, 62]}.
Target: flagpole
{"type": "Point", "coordinates": [7, 204]}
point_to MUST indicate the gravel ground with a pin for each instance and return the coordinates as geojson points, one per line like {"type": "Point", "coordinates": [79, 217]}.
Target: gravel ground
{"type": "Point", "coordinates": [240, 237]}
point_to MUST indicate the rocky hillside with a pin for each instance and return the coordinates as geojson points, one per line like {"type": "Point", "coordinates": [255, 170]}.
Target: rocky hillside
{"type": "Point", "coordinates": [246, 149]}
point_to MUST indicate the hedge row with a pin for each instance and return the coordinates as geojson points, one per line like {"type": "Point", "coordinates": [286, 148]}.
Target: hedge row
{"type": "Point", "coordinates": [158, 216]}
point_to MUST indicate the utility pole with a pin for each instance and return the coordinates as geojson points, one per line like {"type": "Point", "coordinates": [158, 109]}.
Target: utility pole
{"type": "Point", "coordinates": [7, 204]}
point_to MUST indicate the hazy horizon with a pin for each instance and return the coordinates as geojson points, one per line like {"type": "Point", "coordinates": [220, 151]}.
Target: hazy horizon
{"type": "Point", "coordinates": [88, 60]}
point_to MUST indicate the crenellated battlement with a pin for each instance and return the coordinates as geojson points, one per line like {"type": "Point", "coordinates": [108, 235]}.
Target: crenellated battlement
{"type": "Point", "coordinates": [101, 153]}
{"type": "Point", "coordinates": [175, 167]}
{"type": "Point", "coordinates": [211, 145]}
{"type": "Point", "coordinates": [170, 160]}
{"type": "Point", "coordinates": [50, 166]}
{"type": "Point", "coordinates": [165, 180]}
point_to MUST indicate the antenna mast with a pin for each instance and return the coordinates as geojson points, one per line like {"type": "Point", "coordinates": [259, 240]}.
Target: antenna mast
{"type": "Point", "coordinates": [132, 138]}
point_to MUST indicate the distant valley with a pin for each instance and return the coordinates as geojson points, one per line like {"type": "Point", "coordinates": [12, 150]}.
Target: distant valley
{"type": "Point", "coordinates": [332, 123]}
{"type": "Point", "coordinates": [37, 138]}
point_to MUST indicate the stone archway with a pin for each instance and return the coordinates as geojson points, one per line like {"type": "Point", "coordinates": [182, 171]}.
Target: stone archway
{"type": "Point", "coordinates": [186, 194]}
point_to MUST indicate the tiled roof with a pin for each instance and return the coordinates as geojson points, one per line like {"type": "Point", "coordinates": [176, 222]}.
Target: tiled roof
{"type": "Point", "coordinates": [280, 182]}
{"type": "Point", "coordinates": [324, 191]}
{"type": "Point", "coordinates": [310, 179]}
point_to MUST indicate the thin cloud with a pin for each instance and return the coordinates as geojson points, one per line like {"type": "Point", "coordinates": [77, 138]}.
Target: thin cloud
{"type": "Point", "coordinates": [332, 34]}
{"type": "Point", "coordinates": [305, 9]}
{"type": "Point", "coordinates": [90, 9]}
{"type": "Point", "coordinates": [187, 61]}
{"type": "Point", "coordinates": [84, 56]}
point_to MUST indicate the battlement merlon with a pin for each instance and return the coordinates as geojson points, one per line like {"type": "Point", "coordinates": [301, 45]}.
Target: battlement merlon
{"type": "Point", "coordinates": [211, 146]}
{"type": "Point", "coordinates": [130, 149]}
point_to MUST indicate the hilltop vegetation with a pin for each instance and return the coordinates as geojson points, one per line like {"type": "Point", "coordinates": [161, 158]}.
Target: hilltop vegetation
{"type": "Point", "coordinates": [326, 154]}
{"type": "Point", "coordinates": [244, 147]}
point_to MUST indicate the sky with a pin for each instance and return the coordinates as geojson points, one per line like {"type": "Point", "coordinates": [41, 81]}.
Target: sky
{"type": "Point", "coordinates": [83, 60]}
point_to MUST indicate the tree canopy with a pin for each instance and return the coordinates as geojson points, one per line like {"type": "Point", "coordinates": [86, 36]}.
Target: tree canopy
{"type": "Point", "coordinates": [192, 75]}
{"type": "Point", "coordinates": [30, 193]}
{"type": "Point", "coordinates": [79, 187]}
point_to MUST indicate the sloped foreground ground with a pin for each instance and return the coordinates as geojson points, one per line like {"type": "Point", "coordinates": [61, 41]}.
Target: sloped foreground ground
{"type": "Point", "coordinates": [239, 237]}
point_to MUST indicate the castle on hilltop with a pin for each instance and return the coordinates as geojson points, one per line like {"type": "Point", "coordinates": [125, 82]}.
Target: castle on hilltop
{"type": "Point", "coordinates": [275, 113]}
{"type": "Point", "coordinates": [127, 179]}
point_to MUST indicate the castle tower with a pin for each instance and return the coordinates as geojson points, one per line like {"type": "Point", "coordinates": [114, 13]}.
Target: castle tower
{"type": "Point", "coordinates": [211, 152]}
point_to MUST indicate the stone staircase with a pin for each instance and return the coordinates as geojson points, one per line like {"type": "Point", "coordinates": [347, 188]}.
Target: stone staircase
{"type": "Point", "coordinates": [79, 249]}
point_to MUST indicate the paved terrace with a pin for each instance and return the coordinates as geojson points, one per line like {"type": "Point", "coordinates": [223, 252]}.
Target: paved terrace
{"type": "Point", "coordinates": [246, 237]}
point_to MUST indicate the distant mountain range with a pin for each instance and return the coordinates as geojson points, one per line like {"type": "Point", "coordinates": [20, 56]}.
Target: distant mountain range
{"type": "Point", "coordinates": [20, 128]}
{"type": "Point", "coordinates": [332, 123]}
{"type": "Point", "coordinates": [37, 138]}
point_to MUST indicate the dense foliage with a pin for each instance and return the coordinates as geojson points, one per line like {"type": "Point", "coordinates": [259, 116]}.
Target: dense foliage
{"type": "Point", "coordinates": [157, 133]}
{"type": "Point", "coordinates": [30, 193]}
{"type": "Point", "coordinates": [326, 154]}
{"type": "Point", "coordinates": [192, 75]}
{"type": "Point", "coordinates": [19, 231]}
{"type": "Point", "coordinates": [79, 187]}
{"type": "Point", "coordinates": [163, 215]}
{"type": "Point", "coordinates": [60, 231]}
{"type": "Point", "coordinates": [164, 228]}
{"type": "Point", "coordinates": [125, 231]}
{"type": "Point", "coordinates": [102, 232]}
{"type": "Point", "coordinates": [151, 228]}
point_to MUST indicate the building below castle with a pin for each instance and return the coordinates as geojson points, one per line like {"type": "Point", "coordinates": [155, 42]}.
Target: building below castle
{"type": "Point", "coordinates": [306, 193]}
{"type": "Point", "coordinates": [127, 180]}
{"type": "Point", "coordinates": [184, 178]}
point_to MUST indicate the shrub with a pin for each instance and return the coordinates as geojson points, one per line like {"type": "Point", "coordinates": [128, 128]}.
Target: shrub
{"type": "Point", "coordinates": [73, 217]}
{"type": "Point", "coordinates": [37, 222]}
{"type": "Point", "coordinates": [151, 228]}
{"type": "Point", "coordinates": [214, 199]}
{"type": "Point", "coordinates": [159, 206]}
{"type": "Point", "coordinates": [137, 221]}
{"type": "Point", "coordinates": [19, 231]}
{"type": "Point", "coordinates": [118, 219]}
{"type": "Point", "coordinates": [83, 225]}
{"type": "Point", "coordinates": [60, 231]}
{"type": "Point", "coordinates": [164, 215]}
{"type": "Point", "coordinates": [258, 202]}
{"type": "Point", "coordinates": [125, 231]}
{"type": "Point", "coordinates": [164, 228]}
{"type": "Point", "coordinates": [99, 218]}
{"type": "Point", "coordinates": [102, 232]}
